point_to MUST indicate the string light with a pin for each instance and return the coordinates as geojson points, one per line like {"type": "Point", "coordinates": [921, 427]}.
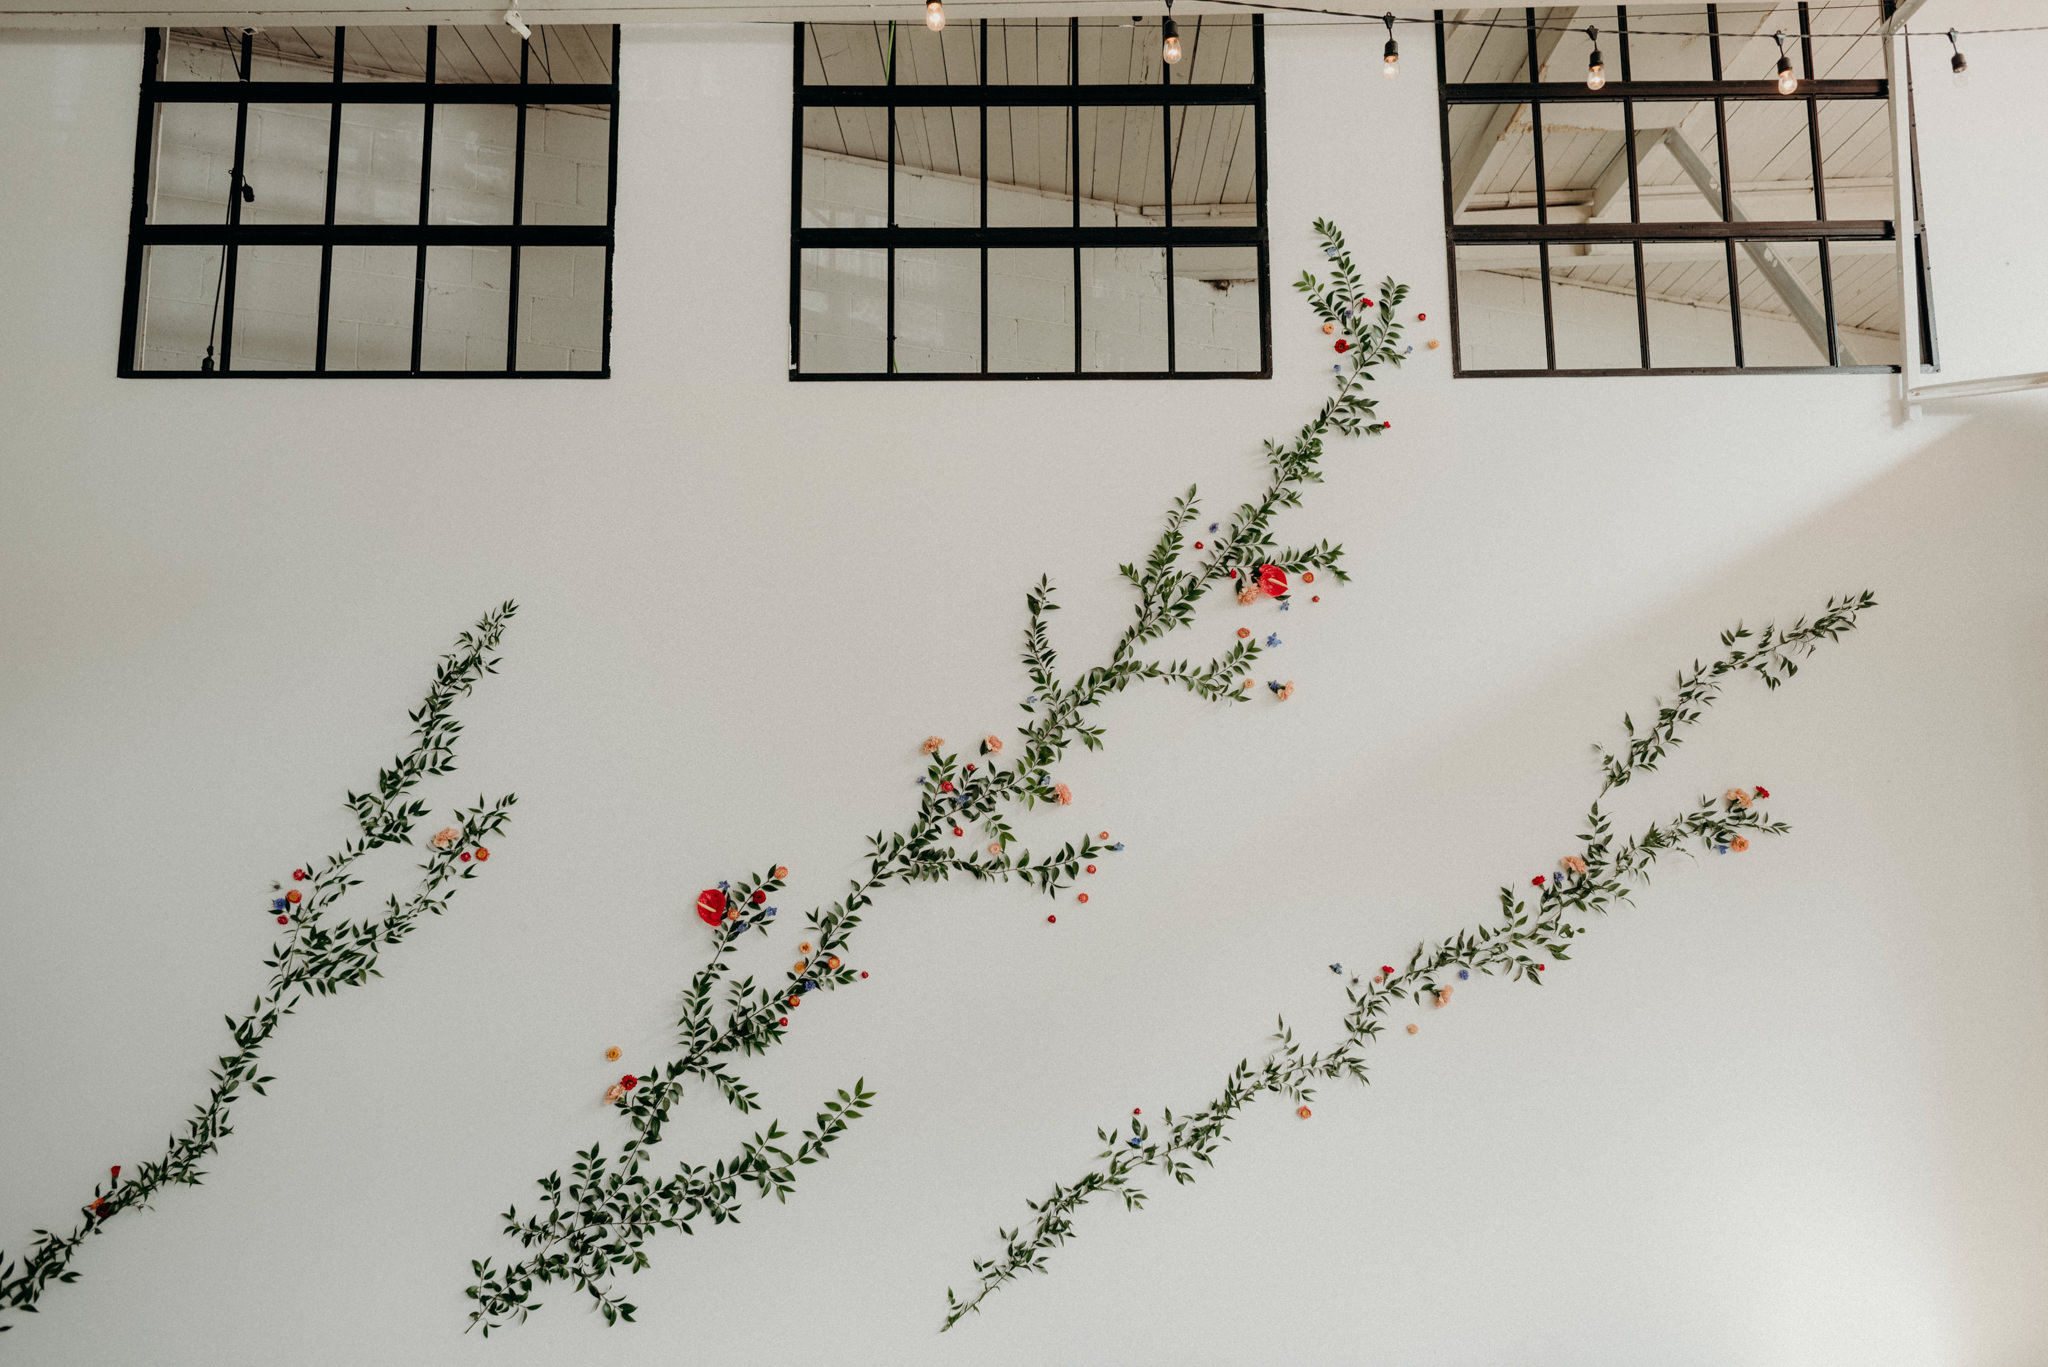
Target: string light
{"type": "Point", "coordinates": [1958, 65]}
{"type": "Point", "coordinates": [1788, 80]}
{"type": "Point", "coordinates": [934, 15]}
{"type": "Point", "coordinates": [1169, 50]}
{"type": "Point", "coordinates": [1390, 60]}
{"type": "Point", "coordinates": [1596, 71]}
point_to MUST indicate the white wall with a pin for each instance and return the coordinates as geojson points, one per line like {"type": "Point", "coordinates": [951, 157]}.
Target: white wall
{"type": "Point", "coordinates": [1791, 1111]}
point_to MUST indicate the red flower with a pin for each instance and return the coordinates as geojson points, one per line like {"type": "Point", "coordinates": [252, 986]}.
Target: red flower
{"type": "Point", "coordinates": [711, 906]}
{"type": "Point", "coordinates": [629, 1082]}
{"type": "Point", "coordinates": [482, 854]}
{"type": "Point", "coordinates": [759, 897]}
{"type": "Point", "coordinates": [1272, 580]}
{"type": "Point", "coordinates": [284, 920]}
{"type": "Point", "coordinates": [1537, 881]}
{"type": "Point", "coordinates": [1365, 303]}
{"type": "Point", "coordinates": [298, 875]}
{"type": "Point", "coordinates": [117, 1172]}
{"type": "Point", "coordinates": [292, 896]}
{"type": "Point", "coordinates": [1387, 969]}
{"type": "Point", "coordinates": [1051, 919]}
{"type": "Point", "coordinates": [1762, 791]}
{"type": "Point", "coordinates": [1421, 317]}
{"type": "Point", "coordinates": [1343, 345]}
{"type": "Point", "coordinates": [958, 831]}
{"type": "Point", "coordinates": [1541, 967]}
{"type": "Point", "coordinates": [863, 972]}
{"type": "Point", "coordinates": [946, 786]}
{"type": "Point", "coordinates": [464, 856]}
{"type": "Point", "coordinates": [783, 1020]}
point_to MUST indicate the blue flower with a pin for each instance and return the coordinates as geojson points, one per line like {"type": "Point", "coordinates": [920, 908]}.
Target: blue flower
{"type": "Point", "coordinates": [810, 984]}
{"type": "Point", "coordinates": [1273, 684]}
{"type": "Point", "coordinates": [1464, 973]}
{"type": "Point", "coordinates": [1118, 846]}
{"type": "Point", "coordinates": [1336, 968]}
{"type": "Point", "coordinates": [1408, 350]}
{"type": "Point", "coordinates": [1031, 700]}
{"type": "Point", "coordinates": [1214, 525]}
{"type": "Point", "coordinates": [1135, 1144]}
{"type": "Point", "coordinates": [1273, 639]}
{"type": "Point", "coordinates": [724, 887]}
{"type": "Point", "coordinates": [1283, 608]}
{"type": "Point", "coordinates": [277, 904]}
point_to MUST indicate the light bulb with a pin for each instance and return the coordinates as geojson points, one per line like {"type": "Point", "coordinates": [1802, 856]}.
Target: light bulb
{"type": "Point", "coordinates": [1390, 60]}
{"type": "Point", "coordinates": [1596, 71]}
{"type": "Point", "coordinates": [1169, 52]}
{"type": "Point", "coordinates": [1788, 81]}
{"type": "Point", "coordinates": [1958, 65]}
{"type": "Point", "coordinates": [934, 15]}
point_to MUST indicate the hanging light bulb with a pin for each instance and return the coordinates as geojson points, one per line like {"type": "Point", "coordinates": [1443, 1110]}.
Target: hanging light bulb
{"type": "Point", "coordinates": [1169, 50]}
{"type": "Point", "coordinates": [1788, 80]}
{"type": "Point", "coordinates": [934, 15]}
{"type": "Point", "coordinates": [1958, 65]}
{"type": "Point", "coordinates": [1390, 60]}
{"type": "Point", "coordinates": [1596, 72]}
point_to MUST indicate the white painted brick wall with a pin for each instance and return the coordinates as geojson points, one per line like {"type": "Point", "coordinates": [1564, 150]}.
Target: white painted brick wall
{"type": "Point", "coordinates": [370, 324]}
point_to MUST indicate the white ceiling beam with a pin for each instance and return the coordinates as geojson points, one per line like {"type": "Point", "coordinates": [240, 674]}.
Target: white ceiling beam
{"type": "Point", "coordinates": [103, 14]}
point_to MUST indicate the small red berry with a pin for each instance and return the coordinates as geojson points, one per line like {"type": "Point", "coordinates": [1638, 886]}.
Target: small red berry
{"type": "Point", "coordinates": [284, 920]}
{"type": "Point", "coordinates": [782, 1020]}
{"type": "Point", "coordinates": [1421, 317]}
{"type": "Point", "coordinates": [1198, 545]}
{"type": "Point", "coordinates": [1082, 898]}
{"type": "Point", "coordinates": [1315, 598]}
{"type": "Point", "coordinates": [1134, 1111]}
{"type": "Point", "coordinates": [1233, 574]}
{"type": "Point", "coordinates": [629, 1082]}
{"type": "Point", "coordinates": [1091, 868]}
{"type": "Point", "coordinates": [298, 875]}
{"type": "Point", "coordinates": [958, 831]}
{"type": "Point", "coordinates": [1050, 919]}
{"type": "Point", "coordinates": [1386, 422]}
{"type": "Point", "coordinates": [464, 856]}
{"type": "Point", "coordinates": [1103, 836]}
{"type": "Point", "coordinates": [970, 768]}
{"type": "Point", "coordinates": [863, 972]}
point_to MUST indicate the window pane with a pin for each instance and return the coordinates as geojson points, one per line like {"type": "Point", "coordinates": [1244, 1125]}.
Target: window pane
{"type": "Point", "coordinates": [1593, 307]}
{"type": "Point", "coordinates": [1680, 170]}
{"type": "Point", "coordinates": [467, 295]}
{"type": "Point", "coordinates": [952, 56]}
{"type": "Point", "coordinates": [195, 151]}
{"type": "Point", "coordinates": [1562, 49]}
{"type": "Point", "coordinates": [1492, 164]}
{"type": "Point", "coordinates": [1123, 164]}
{"type": "Point", "coordinates": [1770, 159]}
{"type": "Point", "coordinates": [846, 54]}
{"type": "Point", "coordinates": [474, 148]}
{"type": "Point", "coordinates": [1748, 52]}
{"type": "Point", "coordinates": [1670, 45]}
{"type": "Point", "coordinates": [1216, 308]}
{"type": "Point", "coordinates": [193, 54]}
{"type": "Point", "coordinates": [1848, 43]}
{"type": "Point", "coordinates": [1031, 310]}
{"type": "Point", "coordinates": [372, 53]}
{"type": "Point", "coordinates": [477, 54]}
{"type": "Point", "coordinates": [1028, 154]}
{"type": "Point", "coordinates": [379, 167]}
{"type": "Point", "coordinates": [938, 167]}
{"type": "Point", "coordinates": [844, 311]}
{"type": "Point", "coordinates": [568, 165]}
{"type": "Point", "coordinates": [1028, 52]}
{"type": "Point", "coordinates": [287, 163]}
{"type": "Point", "coordinates": [1856, 158]}
{"type": "Point", "coordinates": [845, 180]}
{"type": "Point", "coordinates": [1784, 318]}
{"type": "Point", "coordinates": [1123, 308]}
{"type": "Point", "coordinates": [179, 287]}
{"type": "Point", "coordinates": [369, 309]}
{"type": "Point", "coordinates": [1687, 287]}
{"type": "Point", "coordinates": [1120, 52]}
{"type": "Point", "coordinates": [1866, 276]}
{"type": "Point", "coordinates": [561, 308]}
{"type": "Point", "coordinates": [1215, 165]}
{"type": "Point", "coordinates": [277, 307]}
{"type": "Point", "coordinates": [569, 54]}
{"type": "Point", "coordinates": [292, 54]}
{"type": "Point", "coordinates": [1500, 308]}
{"type": "Point", "coordinates": [938, 309]}
{"type": "Point", "coordinates": [1585, 174]}
{"type": "Point", "coordinates": [1215, 49]}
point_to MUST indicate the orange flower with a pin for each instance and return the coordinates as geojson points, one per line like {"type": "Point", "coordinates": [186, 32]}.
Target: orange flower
{"type": "Point", "coordinates": [1739, 843]}
{"type": "Point", "coordinates": [782, 870]}
{"type": "Point", "coordinates": [991, 745]}
{"type": "Point", "coordinates": [1304, 1112]}
{"type": "Point", "coordinates": [612, 1054]}
{"type": "Point", "coordinates": [1736, 797]}
{"type": "Point", "coordinates": [1063, 795]}
{"type": "Point", "coordinates": [832, 962]}
{"type": "Point", "coordinates": [996, 850]}
{"type": "Point", "coordinates": [1286, 690]}
{"type": "Point", "coordinates": [1443, 996]}
{"type": "Point", "coordinates": [1414, 1029]}
{"type": "Point", "coordinates": [1571, 863]}
{"type": "Point", "coordinates": [931, 744]}
{"type": "Point", "coordinates": [1243, 632]}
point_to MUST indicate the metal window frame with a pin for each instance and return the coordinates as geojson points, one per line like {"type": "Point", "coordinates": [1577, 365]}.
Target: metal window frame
{"type": "Point", "coordinates": [1728, 230]}
{"type": "Point", "coordinates": [233, 235]}
{"type": "Point", "coordinates": [1072, 96]}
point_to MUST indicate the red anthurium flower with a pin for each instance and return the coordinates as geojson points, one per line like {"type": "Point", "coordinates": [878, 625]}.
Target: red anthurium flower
{"type": "Point", "coordinates": [1272, 580]}
{"type": "Point", "coordinates": [711, 906]}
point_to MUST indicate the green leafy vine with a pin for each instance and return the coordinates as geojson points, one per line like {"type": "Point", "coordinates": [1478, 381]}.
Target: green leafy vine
{"type": "Point", "coordinates": [318, 955]}
{"type": "Point", "coordinates": [596, 1224]}
{"type": "Point", "coordinates": [1605, 872]}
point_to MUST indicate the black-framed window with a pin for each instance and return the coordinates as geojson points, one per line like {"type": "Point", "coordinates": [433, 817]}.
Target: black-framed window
{"type": "Point", "coordinates": [1029, 199]}
{"type": "Point", "coordinates": [1683, 217]}
{"type": "Point", "coordinates": [429, 202]}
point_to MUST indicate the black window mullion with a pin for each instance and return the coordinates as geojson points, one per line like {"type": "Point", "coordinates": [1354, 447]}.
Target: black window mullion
{"type": "Point", "coordinates": [333, 184]}
{"type": "Point", "coordinates": [1074, 176]}
{"type": "Point", "coordinates": [611, 200]}
{"type": "Point", "coordinates": [1727, 186]}
{"type": "Point", "coordinates": [984, 193]}
{"type": "Point", "coordinates": [796, 200]}
{"type": "Point", "coordinates": [1259, 178]}
{"type": "Point", "coordinates": [419, 282]}
{"type": "Point", "coordinates": [1542, 200]}
{"type": "Point", "coordinates": [889, 350]}
{"type": "Point", "coordinates": [1827, 301]}
{"type": "Point", "coordinates": [1166, 170]}
{"type": "Point", "coordinates": [519, 209]}
{"type": "Point", "coordinates": [236, 180]}
{"type": "Point", "coordinates": [1443, 123]}
{"type": "Point", "coordinates": [1635, 196]}
{"type": "Point", "coordinates": [138, 204]}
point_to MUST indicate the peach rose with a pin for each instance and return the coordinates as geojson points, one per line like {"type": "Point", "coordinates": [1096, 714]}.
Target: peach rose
{"type": "Point", "coordinates": [991, 745]}
{"type": "Point", "coordinates": [932, 743]}
{"type": "Point", "coordinates": [1249, 594]}
{"type": "Point", "coordinates": [1739, 843]}
{"type": "Point", "coordinates": [614, 1092]}
{"type": "Point", "coordinates": [1736, 797]}
{"type": "Point", "coordinates": [1571, 863]}
{"type": "Point", "coordinates": [445, 838]}
{"type": "Point", "coordinates": [1063, 794]}
{"type": "Point", "coordinates": [1286, 690]}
